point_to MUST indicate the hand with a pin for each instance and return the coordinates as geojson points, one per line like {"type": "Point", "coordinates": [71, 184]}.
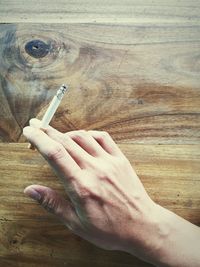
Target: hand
{"type": "Point", "coordinates": [109, 205]}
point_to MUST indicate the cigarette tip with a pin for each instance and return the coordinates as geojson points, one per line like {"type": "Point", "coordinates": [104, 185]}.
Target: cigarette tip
{"type": "Point", "coordinates": [64, 88]}
{"type": "Point", "coordinates": [61, 91]}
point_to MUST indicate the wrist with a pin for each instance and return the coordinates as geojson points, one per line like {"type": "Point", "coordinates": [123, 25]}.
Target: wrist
{"type": "Point", "coordinates": [163, 230]}
{"type": "Point", "coordinates": [178, 241]}
{"type": "Point", "coordinates": [167, 240]}
{"type": "Point", "coordinates": [152, 233]}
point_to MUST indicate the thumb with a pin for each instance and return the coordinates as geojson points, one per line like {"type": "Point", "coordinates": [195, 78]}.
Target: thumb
{"type": "Point", "coordinates": [50, 200]}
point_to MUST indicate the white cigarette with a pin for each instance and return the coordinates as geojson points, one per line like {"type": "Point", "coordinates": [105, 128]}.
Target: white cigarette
{"type": "Point", "coordinates": [52, 109]}
{"type": "Point", "coordinates": [53, 106]}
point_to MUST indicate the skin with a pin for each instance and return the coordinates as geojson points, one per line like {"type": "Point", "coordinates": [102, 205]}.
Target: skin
{"type": "Point", "coordinates": [107, 203]}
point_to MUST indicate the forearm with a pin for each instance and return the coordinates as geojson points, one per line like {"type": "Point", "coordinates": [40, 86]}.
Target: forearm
{"type": "Point", "coordinates": [175, 241]}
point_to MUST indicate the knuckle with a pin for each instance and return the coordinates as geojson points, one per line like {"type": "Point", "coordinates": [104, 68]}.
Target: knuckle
{"type": "Point", "coordinates": [79, 135]}
{"type": "Point", "coordinates": [104, 177]}
{"type": "Point", "coordinates": [108, 171]}
{"type": "Point", "coordinates": [49, 204]}
{"type": "Point", "coordinates": [113, 165]}
{"type": "Point", "coordinates": [82, 132]}
{"type": "Point", "coordinates": [84, 193]}
{"type": "Point", "coordinates": [65, 138]}
{"type": "Point", "coordinates": [104, 135]}
{"type": "Point", "coordinates": [55, 153]}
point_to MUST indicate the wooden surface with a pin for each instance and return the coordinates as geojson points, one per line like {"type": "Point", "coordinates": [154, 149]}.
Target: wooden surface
{"type": "Point", "coordinates": [29, 235]}
{"type": "Point", "coordinates": [142, 88]}
{"type": "Point", "coordinates": [90, 11]}
{"type": "Point", "coordinates": [133, 69]}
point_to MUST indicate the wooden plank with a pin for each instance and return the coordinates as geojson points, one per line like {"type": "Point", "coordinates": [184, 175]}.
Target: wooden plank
{"type": "Point", "coordinates": [31, 236]}
{"type": "Point", "coordinates": [112, 11]}
{"type": "Point", "coordinates": [142, 87]}
{"type": "Point", "coordinates": [51, 244]}
{"type": "Point", "coordinates": [170, 173]}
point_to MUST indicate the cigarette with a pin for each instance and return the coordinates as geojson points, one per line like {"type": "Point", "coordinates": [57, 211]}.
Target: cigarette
{"type": "Point", "coordinates": [52, 108]}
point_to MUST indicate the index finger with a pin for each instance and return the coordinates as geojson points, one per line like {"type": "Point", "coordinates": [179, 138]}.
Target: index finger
{"type": "Point", "coordinates": [52, 151]}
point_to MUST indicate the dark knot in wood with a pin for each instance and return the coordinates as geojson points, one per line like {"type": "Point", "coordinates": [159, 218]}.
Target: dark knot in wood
{"type": "Point", "coordinates": [37, 48]}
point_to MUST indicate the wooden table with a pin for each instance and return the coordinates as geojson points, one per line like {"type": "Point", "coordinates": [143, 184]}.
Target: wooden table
{"type": "Point", "coordinates": [133, 69]}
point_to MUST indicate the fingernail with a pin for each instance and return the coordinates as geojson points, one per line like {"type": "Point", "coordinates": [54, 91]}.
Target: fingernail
{"type": "Point", "coordinates": [33, 194]}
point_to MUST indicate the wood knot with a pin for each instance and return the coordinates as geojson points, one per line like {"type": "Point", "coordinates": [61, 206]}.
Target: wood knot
{"type": "Point", "coordinates": [37, 48]}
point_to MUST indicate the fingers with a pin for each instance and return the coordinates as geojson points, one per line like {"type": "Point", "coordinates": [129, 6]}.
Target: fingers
{"type": "Point", "coordinates": [79, 144]}
{"type": "Point", "coordinates": [95, 143]}
{"type": "Point", "coordinates": [35, 123]}
{"type": "Point", "coordinates": [106, 142]}
{"type": "Point", "coordinates": [81, 137]}
{"type": "Point", "coordinates": [53, 151]}
{"type": "Point", "coordinates": [82, 158]}
{"type": "Point", "coordinates": [87, 142]}
{"type": "Point", "coordinates": [51, 201]}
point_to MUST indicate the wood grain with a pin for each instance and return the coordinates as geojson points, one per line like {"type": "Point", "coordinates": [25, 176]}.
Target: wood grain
{"type": "Point", "coordinates": [133, 68]}
{"type": "Point", "coordinates": [30, 234]}
{"type": "Point", "coordinates": [90, 11]}
{"type": "Point", "coordinates": [142, 88]}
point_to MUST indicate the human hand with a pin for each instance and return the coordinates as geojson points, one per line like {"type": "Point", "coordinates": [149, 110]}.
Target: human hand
{"type": "Point", "coordinates": [108, 204]}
